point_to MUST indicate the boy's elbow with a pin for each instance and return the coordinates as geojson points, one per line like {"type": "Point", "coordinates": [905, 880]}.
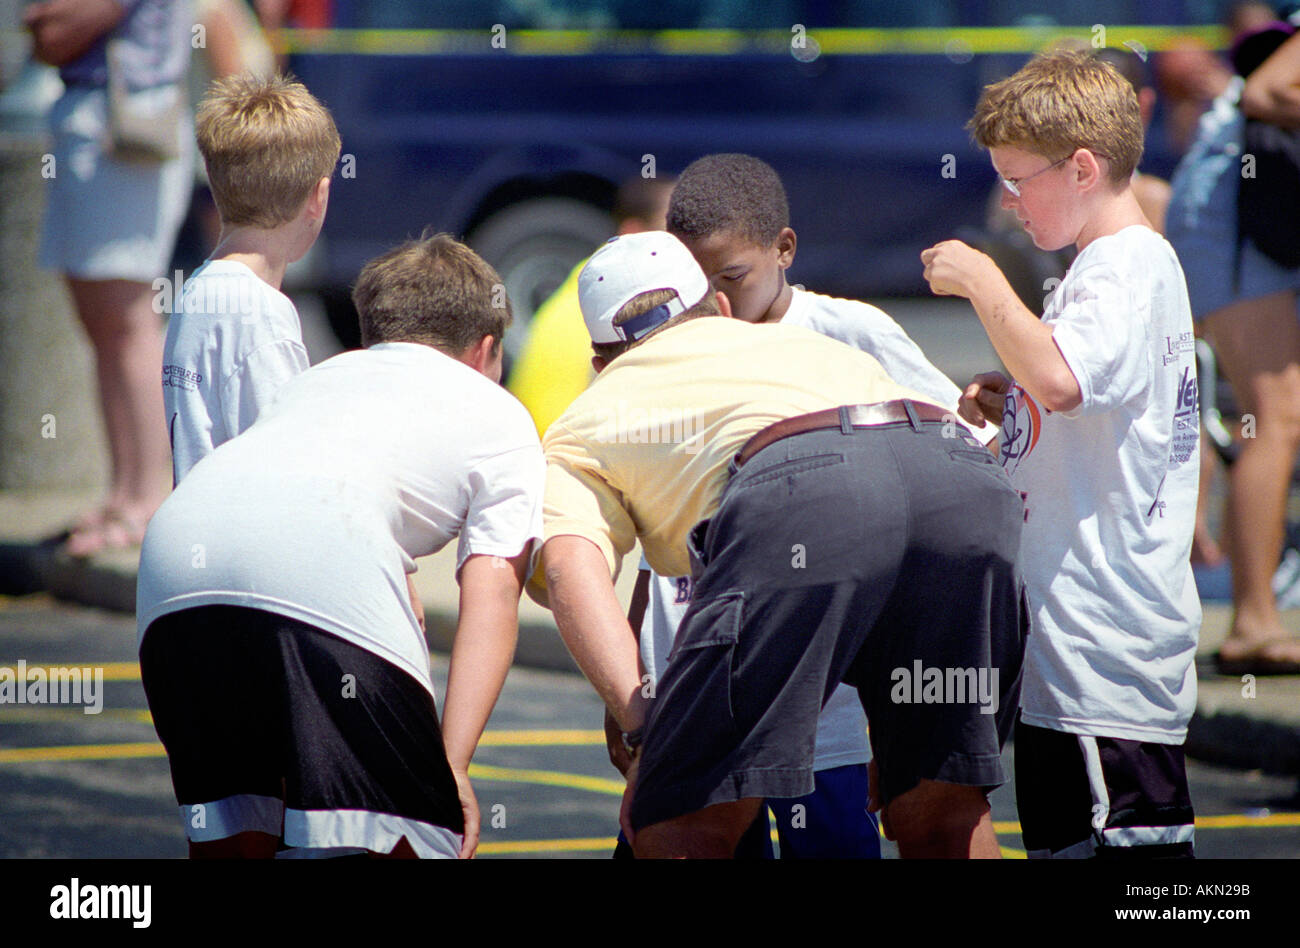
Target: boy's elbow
{"type": "Point", "coordinates": [1062, 393]}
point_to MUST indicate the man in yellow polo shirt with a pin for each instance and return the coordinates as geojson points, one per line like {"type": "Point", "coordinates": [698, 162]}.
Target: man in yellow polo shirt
{"type": "Point", "coordinates": [838, 527]}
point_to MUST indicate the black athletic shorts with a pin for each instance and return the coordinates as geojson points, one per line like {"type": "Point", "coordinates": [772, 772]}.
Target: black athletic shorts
{"type": "Point", "coordinates": [884, 557]}
{"type": "Point", "coordinates": [273, 725]}
{"type": "Point", "coordinates": [1081, 796]}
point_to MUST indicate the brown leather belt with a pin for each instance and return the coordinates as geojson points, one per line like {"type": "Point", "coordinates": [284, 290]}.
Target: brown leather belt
{"type": "Point", "coordinates": [854, 416]}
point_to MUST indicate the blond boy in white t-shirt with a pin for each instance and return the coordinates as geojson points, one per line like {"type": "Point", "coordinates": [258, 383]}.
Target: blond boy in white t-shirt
{"type": "Point", "coordinates": [1100, 428]}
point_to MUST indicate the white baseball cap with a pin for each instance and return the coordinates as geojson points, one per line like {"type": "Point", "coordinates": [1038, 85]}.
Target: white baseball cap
{"type": "Point", "coordinates": [632, 264]}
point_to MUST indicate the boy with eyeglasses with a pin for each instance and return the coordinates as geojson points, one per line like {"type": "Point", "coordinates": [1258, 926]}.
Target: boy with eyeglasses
{"type": "Point", "coordinates": [1100, 430]}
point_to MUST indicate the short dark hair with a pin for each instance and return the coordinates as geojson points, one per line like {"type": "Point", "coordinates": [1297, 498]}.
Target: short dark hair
{"type": "Point", "coordinates": [435, 291]}
{"type": "Point", "coordinates": [729, 193]}
{"type": "Point", "coordinates": [643, 303]}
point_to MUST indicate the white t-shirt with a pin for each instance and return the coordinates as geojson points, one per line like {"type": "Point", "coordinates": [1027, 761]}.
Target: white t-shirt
{"type": "Point", "coordinates": [842, 727]}
{"type": "Point", "coordinates": [361, 464]}
{"type": "Point", "coordinates": [1110, 501]}
{"type": "Point", "coordinates": [233, 341]}
{"type": "Point", "coordinates": [874, 331]}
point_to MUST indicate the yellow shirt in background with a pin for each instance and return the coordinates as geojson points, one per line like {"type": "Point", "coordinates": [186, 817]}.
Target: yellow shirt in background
{"type": "Point", "coordinates": [555, 365]}
{"type": "Point", "coordinates": [644, 451]}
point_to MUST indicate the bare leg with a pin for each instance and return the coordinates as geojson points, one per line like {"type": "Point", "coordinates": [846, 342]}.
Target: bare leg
{"type": "Point", "coordinates": [403, 850]}
{"type": "Point", "coordinates": [1258, 343]}
{"type": "Point", "coordinates": [937, 820]}
{"type": "Point", "coordinates": [249, 845]}
{"type": "Point", "coordinates": [127, 338]}
{"type": "Point", "coordinates": [711, 833]}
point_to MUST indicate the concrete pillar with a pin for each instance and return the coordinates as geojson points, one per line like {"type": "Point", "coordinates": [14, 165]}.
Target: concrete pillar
{"type": "Point", "coordinates": [50, 430]}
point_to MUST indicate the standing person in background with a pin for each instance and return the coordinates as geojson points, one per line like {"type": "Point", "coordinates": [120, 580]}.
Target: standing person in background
{"type": "Point", "coordinates": [110, 224]}
{"type": "Point", "coordinates": [555, 365]}
{"type": "Point", "coordinates": [1247, 304]}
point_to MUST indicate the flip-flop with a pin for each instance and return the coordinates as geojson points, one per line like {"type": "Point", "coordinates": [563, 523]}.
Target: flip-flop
{"type": "Point", "coordinates": [115, 531]}
{"type": "Point", "coordinates": [1255, 662]}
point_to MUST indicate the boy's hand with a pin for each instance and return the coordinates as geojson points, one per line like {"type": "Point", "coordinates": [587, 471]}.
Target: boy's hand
{"type": "Point", "coordinates": [618, 755]}
{"type": "Point", "coordinates": [469, 807]}
{"type": "Point", "coordinates": [984, 397]}
{"type": "Point", "coordinates": [952, 268]}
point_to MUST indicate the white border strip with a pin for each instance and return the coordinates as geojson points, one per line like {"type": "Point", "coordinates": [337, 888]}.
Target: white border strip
{"type": "Point", "coordinates": [221, 819]}
{"type": "Point", "coordinates": [377, 832]}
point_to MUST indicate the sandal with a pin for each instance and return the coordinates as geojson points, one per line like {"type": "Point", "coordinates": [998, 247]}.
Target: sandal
{"type": "Point", "coordinates": [1257, 661]}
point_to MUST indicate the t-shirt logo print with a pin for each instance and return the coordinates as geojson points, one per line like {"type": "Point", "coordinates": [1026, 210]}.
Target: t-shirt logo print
{"type": "Point", "coordinates": [1021, 426]}
{"type": "Point", "coordinates": [1187, 419]}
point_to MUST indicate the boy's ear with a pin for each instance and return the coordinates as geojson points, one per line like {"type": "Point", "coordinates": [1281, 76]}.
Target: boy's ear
{"type": "Point", "coordinates": [479, 355]}
{"type": "Point", "coordinates": [598, 364]}
{"type": "Point", "coordinates": [1088, 170]}
{"type": "Point", "coordinates": [319, 198]}
{"type": "Point", "coordinates": [724, 304]}
{"type": "Point", "coordinates": [785, 247]}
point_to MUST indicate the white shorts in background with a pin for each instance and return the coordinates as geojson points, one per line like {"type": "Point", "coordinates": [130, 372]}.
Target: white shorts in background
{"type": "Point", "coordinates": [107, 219]}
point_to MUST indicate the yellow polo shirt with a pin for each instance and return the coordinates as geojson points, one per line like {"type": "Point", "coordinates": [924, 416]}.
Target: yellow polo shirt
{"type": "Point", "coordinates": [644, 451]}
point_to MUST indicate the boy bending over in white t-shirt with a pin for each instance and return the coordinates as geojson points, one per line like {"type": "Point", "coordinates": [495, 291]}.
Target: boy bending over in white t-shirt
{"type": "Point", "coordinates": [286, 671]}
{"type": "Point", "coordinates": [1099, 433]}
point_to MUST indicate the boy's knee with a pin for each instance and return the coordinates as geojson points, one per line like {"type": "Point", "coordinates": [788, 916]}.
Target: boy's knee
{"type": "Point", "coordinates": [711, 833]}
{"type": "Point", "coordinates": [936, 819]}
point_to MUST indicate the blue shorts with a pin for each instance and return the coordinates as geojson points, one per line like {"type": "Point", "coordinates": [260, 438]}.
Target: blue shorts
{"type": "Point", "coordinates": [1201, 222]}
{"type": "Point", "coordinates": [832, 822]}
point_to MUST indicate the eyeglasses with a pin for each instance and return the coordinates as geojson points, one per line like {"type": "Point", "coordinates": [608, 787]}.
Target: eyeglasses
{"type": "Point", "coordinates": [1013, 184]}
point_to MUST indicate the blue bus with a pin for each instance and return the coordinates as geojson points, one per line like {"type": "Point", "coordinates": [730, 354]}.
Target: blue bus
{"type": "Point", "coordinates": [512, 124]}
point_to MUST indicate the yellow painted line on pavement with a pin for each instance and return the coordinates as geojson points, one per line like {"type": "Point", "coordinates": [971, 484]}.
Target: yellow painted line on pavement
{"type": "Point", "coordinates": [541, 738]}
{"type": "Point", "coordinates": [28, 714]}
{"type": "Point", "coordinates": [68, 752]}
{"type": "Point", "coordinates": [592, 844]}
{"type": "Point", "coordinates": [113, 671]}
{"type": "Point", "coordinates": [551, 778]}
{"type": "Point", "coordinates": [1243, 821]}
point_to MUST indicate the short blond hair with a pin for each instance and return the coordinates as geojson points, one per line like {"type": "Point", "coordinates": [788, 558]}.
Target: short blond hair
{"type": "Point", "coordinates": [266, 142]}
{"type": "Point", "coordinates": [1061, 101]}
